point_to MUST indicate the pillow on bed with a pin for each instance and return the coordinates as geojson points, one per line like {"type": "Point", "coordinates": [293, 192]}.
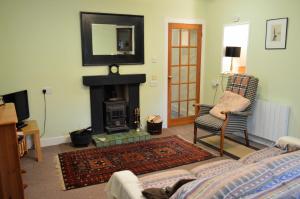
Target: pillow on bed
{"type": "Point", "coordinates": [288, 143]}
{"type": "Point", "coordinates": [229, 102]}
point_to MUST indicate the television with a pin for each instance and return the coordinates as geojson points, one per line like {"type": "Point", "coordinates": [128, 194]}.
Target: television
{"type": "Point", "coordinates": [20, 99]}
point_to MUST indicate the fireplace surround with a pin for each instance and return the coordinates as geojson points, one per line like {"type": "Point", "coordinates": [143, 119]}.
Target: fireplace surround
{"type": "Point", "coordinates": [104, 87]}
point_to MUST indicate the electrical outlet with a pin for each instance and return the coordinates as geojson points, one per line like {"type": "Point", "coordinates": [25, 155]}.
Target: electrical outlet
{"type": "Point", "coordinates": [236, 19]}
{"type": "Point", "coordinates": [47, 90]}
{"type": "Point", "coordinates": [215, 83]}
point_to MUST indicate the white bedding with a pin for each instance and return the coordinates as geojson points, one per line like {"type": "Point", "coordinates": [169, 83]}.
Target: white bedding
{"type": "Point", "coordinates": [124, 185]}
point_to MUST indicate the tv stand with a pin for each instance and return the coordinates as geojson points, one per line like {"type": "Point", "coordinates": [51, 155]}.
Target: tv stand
{"type": "Point", "coordinates": [11, 183]}
{"type": "Point", "coordinates": [31, 129]}
{"type": "Point", "coordinates": [21, 125]}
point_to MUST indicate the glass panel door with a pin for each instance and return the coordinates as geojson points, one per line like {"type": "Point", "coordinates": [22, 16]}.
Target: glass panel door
{"type": "Point", "coordinates": [184, 72]}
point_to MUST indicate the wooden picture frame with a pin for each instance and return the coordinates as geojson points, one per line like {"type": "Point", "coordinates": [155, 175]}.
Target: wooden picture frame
{"type": "Point", "coordinates": [276, 33]}
{"type": "Point", "coordinates": [87, 19]}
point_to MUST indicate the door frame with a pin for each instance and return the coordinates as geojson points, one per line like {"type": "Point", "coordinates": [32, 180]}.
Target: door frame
{"type": "Point", "coordinates": [165, 68]}
{"type": "Point", "coordinates": [222, 49]}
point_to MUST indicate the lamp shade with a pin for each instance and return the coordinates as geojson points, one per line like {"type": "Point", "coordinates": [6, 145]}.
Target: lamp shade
{"type": "Point", "coordinates": [232, 51]}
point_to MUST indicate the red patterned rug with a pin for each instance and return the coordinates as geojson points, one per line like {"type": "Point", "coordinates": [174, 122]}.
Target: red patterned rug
{"type": "Point", "coordinates": [93, 166]}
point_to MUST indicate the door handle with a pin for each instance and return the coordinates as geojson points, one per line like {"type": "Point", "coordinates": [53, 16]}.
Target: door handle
{"type": "Point", "coordinates": [170, 77]}
{"type": "Point", "coordinates": [196, 105]}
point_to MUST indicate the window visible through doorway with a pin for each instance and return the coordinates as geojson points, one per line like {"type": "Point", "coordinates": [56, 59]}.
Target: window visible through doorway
{"type": "Point", "coordinates": [235, 35]}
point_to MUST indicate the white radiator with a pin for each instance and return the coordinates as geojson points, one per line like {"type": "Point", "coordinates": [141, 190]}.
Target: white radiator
{"type": "Point", "coordinates": [269, 120]}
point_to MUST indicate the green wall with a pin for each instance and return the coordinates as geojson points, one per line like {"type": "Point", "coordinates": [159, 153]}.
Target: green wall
{"type": "Point", "coordinates": [40, 46]}
{"type": "Point", "coordinates": [278, 70]}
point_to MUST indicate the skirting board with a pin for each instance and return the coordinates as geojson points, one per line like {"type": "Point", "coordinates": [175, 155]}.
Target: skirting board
{"type": "Point", "coordinates": [66, 139]}
{"type": "Point", "coordinates": [255, 139]}
{"type": "Point", "coordinates": [55, 140]}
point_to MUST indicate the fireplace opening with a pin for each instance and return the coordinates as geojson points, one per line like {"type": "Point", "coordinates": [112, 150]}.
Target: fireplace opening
{"type": "Point", "coordinates": [116, 92]}
{"type": "Point", "coordinates": [116, 109]}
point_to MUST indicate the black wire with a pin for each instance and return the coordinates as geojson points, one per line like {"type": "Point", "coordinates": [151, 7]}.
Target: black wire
{"type": "Point", "coordinates": [45, 115]}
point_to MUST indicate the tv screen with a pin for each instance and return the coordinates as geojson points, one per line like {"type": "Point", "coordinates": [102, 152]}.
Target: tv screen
{"type": "Point", "coordinates": [20, 99]}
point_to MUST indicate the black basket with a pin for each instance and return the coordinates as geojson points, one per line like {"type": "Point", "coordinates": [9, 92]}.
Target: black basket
{"type": "Point", "coordinates": [81, 138]}
{"type": "Point", "coordinates": [154, 128]}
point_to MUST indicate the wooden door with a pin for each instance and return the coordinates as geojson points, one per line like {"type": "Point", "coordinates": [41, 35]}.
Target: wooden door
{"type": "Point", "coordinates": [184, 59]}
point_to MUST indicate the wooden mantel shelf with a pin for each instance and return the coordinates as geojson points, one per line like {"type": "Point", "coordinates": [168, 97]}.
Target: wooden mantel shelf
{"type": "Point", "coordinates": [102, 80]}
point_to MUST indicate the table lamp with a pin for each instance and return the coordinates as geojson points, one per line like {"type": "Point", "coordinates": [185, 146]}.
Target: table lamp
{"type": "Point", "coordinates": [232, 51]}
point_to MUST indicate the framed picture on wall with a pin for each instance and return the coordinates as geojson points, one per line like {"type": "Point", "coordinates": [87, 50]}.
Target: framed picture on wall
{"type": "Point", "coordinates": [276, 33]}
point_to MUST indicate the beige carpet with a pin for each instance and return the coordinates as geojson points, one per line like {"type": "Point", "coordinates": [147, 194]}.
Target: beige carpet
{"type": "Point", "coordinates": [230, 146]}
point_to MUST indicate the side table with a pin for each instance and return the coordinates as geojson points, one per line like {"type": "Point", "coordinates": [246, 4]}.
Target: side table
{"type": "Point", "coordinates": [32, 130]}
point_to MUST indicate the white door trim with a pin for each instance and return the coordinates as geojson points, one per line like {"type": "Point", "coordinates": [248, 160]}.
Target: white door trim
{"type": "Point", "coordinates": [165, 68]}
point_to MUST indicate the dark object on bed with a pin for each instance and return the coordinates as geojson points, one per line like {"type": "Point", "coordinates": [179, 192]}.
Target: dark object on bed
{"type": "Point", "coordinates": [164, 193]}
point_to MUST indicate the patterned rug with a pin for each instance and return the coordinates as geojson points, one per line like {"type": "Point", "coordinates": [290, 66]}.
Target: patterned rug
{"type": "Point", "coordinates": [93, 166]}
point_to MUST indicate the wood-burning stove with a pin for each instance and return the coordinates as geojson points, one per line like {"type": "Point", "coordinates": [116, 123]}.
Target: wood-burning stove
{"type": "Point", "coordinates": [115, 116]}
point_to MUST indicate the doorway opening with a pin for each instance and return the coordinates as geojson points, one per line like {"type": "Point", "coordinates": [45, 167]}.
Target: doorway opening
{"type": "Point", "coordinates": [235, 35]}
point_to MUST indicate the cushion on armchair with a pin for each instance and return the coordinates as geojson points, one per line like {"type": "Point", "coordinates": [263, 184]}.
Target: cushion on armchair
{"type": "Point", "coordinates": [229, 102]}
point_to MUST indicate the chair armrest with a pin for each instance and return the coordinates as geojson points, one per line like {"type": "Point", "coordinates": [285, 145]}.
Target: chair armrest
{"type": "Point", "coordinates": [203, 105]}
{"type": "Point", "coordinates": [240, 113]}
{"type": "Point", "coordinates": [204, 108]}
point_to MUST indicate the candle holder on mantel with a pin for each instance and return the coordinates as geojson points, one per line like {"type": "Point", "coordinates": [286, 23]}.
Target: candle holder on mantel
{"type": "Point", "coordinates": [137, 118]}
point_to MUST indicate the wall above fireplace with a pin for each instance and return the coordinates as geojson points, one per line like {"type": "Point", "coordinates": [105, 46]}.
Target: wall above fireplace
{"type": "Point", "coordinates": [99, 87]}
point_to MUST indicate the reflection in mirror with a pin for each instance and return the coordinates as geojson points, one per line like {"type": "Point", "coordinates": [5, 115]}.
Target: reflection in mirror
{"type": "Point", "coordinates": [110, 39]}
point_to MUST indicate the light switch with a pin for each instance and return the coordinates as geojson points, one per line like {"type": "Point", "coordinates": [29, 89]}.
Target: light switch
{"type": "Point", "coordinates": [154, 60]}
{"type": "Point", "coordinates": [153, 77]}
{"type": "Point", "coordinates": [153, 83]}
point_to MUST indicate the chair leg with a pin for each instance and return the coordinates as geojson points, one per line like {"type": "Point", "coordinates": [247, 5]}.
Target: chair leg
{"type": "Point", "coordinates": [246, 137]}
{"type": "Point", "coordinates": [195, 134]}
{"type": "Point", "coordinates": [222, 142]}
{"type": "Point", "coordinates": [223, 135]}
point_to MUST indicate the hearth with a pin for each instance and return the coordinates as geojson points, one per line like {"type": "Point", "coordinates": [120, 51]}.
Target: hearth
{"type": "Point", "coordinates": [104, 87]}
{"type": "Point", "coordinates": [115, 112]}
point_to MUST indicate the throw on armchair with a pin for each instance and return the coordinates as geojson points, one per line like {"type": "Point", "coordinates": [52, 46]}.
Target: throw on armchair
{"type": "Point", "coordinates": [243, 85]}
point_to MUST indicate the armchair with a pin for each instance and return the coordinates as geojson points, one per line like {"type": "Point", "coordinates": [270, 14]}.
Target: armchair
{"type": "Point", "coordinates": [235, 121]}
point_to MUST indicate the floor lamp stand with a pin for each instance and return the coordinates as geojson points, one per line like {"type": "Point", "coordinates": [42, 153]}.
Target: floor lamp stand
{"type": "Point", "coordinates": [231, 65]}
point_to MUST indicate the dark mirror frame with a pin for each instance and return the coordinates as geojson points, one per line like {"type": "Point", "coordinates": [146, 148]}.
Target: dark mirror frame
{"type": "Point", "coordinates": [89, 18]}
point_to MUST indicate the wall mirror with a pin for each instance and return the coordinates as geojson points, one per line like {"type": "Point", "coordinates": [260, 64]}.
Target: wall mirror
{"type": "Point", "coordinates": [111, 39]}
